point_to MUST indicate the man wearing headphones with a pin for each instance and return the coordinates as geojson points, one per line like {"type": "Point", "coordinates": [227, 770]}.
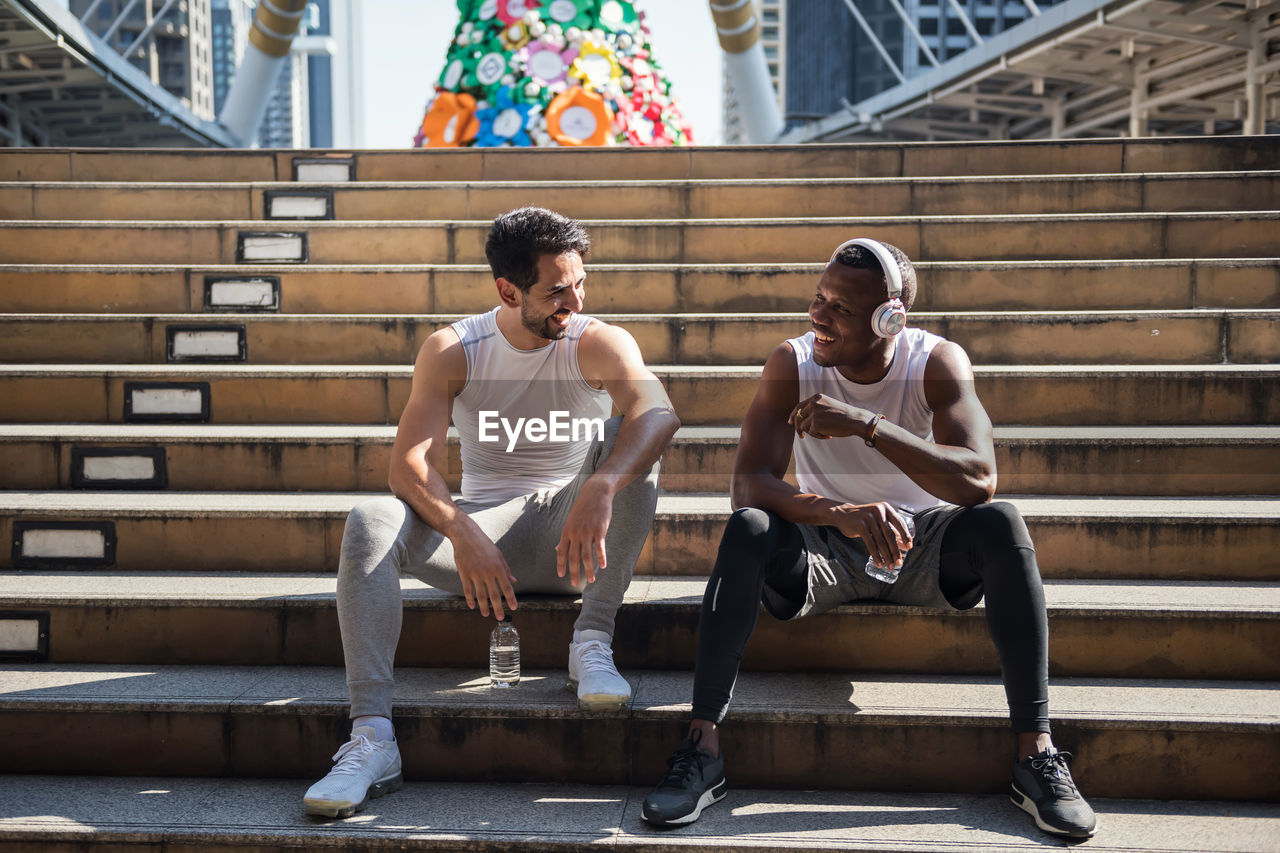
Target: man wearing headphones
{"type": "Point", "coordinates": [896, 471]}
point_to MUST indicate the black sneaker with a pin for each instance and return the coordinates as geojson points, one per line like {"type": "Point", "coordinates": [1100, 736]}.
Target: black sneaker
{"type": "Point", "coordinates": [694, 780]}
{"type": "Point", "coordinates": [1044, 789]}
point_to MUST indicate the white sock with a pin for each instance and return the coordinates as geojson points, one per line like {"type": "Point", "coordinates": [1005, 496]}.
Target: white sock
{"type": "Point", "coordinates": [584, 636]}
{"type": "Point", "coordinates": [381, 726]}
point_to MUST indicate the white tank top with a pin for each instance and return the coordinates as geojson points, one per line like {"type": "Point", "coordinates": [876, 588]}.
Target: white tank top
{"type": "Point", "coordinates": [846, 469]}
{"type": "Point", "coordinates": [543, 385]}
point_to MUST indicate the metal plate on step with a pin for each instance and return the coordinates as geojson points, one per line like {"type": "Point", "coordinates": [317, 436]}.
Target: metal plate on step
{"type": "Point", "coordinates": [24, 635]}
{"type": "Point", "coordinates": [163, 402]}
{"type": "Point", "coordinates": [63, 543]}
{"type": "Point", "coordinates": [271, 247]}
{"type": "Point", "coordinates": [326, 170]}
{"type": "Point", "coordinates": [298, 204]}
{"type": "Point", "coordinates": [118, 468]}
{"type": "Point", "coordinates": [242, 294]}
{"type": "Point", "coordinates": [205, 344]}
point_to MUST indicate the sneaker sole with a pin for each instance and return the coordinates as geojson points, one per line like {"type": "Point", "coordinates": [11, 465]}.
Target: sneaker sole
{"type": "Point", "coordinates": [378, 789]}
{"type": "Point", "coordinates": [598, 701]}
{"type": "Point", "coordinates": [1028, 805]}
{"type": "Point", "coordinates": [709, 797]}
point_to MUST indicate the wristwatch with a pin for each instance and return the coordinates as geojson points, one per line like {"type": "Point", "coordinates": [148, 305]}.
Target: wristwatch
{"type": "Point", "coordinates": [870, 440]}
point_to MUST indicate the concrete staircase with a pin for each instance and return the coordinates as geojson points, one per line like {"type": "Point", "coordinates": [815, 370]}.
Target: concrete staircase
{"type": "Point", "coordinates": [203, 356]}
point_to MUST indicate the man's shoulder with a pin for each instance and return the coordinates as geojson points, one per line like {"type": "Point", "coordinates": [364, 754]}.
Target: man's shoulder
{"type": "Point", "coordinates": [948, 362]}
{"type": "Point", "coordinates": [596, 337]}
{"type": "Point", "coordinates": [443, 353]}
{"type": "Point", "coordinates": [781, 364]}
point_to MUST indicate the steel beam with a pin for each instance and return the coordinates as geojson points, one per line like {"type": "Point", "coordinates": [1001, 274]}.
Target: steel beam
{"type": "Point", "coordinates": [151, 25]}
{"type": "Point", "coordinates": [875, 41]}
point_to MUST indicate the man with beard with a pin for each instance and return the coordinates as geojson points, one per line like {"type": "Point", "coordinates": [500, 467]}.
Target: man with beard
{"type": "Point", "coordinates": [557, 497]}
{"type": "Point", "coordinates": [885, 427]}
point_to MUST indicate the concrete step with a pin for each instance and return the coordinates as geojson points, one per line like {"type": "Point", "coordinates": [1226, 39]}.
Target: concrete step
{"type": "Point", "coordinates": [1223, 736]}
{"type": "Point", "coordinates": [1113, 629]}
{"type": "Point", "coordinates": [771, 240]}
{"type": "Point", "coordinates": [644, 199]}
{"type": "Point", "coordinates": [1064, 395]}
{"type": "Point", "coordinates": [1065, 285]}
{"type": "Point", "coordinates": [155, 813]}
{"type": "Point", "coordinates": [1076, 537]}
{"type": "Point", "coordinates": [876, 159]}
{"type": "Point", "coordinates": [1197, 336]}
{"type": "Point", "coordinates": [1111, 461]}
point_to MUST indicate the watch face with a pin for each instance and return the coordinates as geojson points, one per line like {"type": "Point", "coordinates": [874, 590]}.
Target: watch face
{"type": "Point", "coordinates": [491, 68]}
{"type": "Point", "coordinates": [563, 11]}
{"type": "Point", "coordinates": [611, 13]}
{"type": "Point", "coordinates": [508, 123]}
{"type": "Point", "coordinates": [578, 122]}
{"type": "Point", "coordinates": [453, 74]}
{"type": "Point", "coordinates": [546, 65]}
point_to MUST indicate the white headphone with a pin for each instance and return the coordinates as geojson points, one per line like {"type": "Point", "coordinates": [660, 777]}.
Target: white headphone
{"type": "Point", "coordinates": [890, 317]}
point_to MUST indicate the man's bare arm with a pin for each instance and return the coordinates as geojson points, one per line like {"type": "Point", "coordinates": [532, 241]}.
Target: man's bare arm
{"type": "Point", "coordinates": [417, 459]}
{"type": "Point", "coordinates": [959, 465]}
{"type": "Point", "coordinates": [764, 452]}
{"type": "Point", "coordinates": [609, 357]}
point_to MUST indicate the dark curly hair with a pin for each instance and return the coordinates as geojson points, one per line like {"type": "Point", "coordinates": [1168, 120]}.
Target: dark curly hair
{"type": "Point", "coordinates": [862, 258]}
{"type": "Point", "coordinates": [519, 237]}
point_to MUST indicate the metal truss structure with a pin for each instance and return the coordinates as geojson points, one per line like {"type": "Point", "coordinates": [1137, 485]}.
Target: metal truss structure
{"type": "Point", "coordinates": [1084, 68]}
{"type": "Point", "coordinates": [61, 85]}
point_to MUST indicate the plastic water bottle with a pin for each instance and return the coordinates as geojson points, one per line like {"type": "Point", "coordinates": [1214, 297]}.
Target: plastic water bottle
{"type": "Point", "coordinates": [504, 655]}
{"type": "Point", "coordinates": [889, 574]}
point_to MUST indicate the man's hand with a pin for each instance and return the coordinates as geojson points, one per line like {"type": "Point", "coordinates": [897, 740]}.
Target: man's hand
{"type": "Point", "coordinates": [879, 526]}
{"type": "Point", "coordinates": [584, 530]}
{"type": "Point", "coordinates": [486, 578]}
{"type": "Point", "coordinates": [822, 417]}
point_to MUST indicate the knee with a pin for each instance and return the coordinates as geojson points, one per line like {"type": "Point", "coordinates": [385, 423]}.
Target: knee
{"type": "Point", "coordinates": [999, 525]}
{"type": "Point", "coordinates": [374, 513]}
{"type": "Point", "coordinates": [372, 529]}
{"type": "Point", "coordinates": [751, 532]}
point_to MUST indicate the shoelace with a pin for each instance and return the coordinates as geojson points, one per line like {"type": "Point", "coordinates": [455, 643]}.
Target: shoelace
{"type": "Point", "coordinates": [1053, 769]}
{"type": "Point", "coordinates": [596, 656]}
{"type": "Point", "coordinates": [351, 754]}
{"type": "Point", "coordinates": [684, 765]}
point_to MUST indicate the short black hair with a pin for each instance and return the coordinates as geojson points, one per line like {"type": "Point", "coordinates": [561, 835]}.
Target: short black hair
{"type": "Point", "coordinates": [862, 258]}
{"type": "Point", "coordinates": [519, 237]}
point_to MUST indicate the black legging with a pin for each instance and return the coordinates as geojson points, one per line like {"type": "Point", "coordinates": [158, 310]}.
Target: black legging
{"type": "Point", "coordinates": [987, 544]}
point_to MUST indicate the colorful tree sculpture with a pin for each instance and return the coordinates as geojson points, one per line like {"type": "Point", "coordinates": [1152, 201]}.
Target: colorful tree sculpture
{"type": "Point", "coordinates": [551, 72]}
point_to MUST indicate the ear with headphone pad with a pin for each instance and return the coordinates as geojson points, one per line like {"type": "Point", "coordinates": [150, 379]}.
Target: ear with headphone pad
{"type": "Point", "coordinates": [890, 317]}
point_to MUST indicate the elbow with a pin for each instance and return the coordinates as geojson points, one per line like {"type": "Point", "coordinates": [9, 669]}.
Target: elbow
{"type": "Point", "coordinates": [740, 492]}
{"type": "Point", "coordinates": [980, 491]}
{"type": "Point", "coordinates": [673, 424]}
{"type": "Point", "coordinates": [396, 476]}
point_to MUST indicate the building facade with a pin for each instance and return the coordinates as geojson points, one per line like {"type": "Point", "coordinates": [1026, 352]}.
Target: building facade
{"type": "Point", "coordinates": [172, 46]}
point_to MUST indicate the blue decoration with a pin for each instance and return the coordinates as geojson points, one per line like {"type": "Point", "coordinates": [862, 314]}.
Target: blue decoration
{"type": "Point", "coordinates": [505, 122]}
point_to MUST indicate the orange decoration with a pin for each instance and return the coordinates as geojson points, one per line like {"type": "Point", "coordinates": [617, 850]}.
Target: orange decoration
{"type": "Point", "coordinates": [579, 117]}
{"type": "Point", "coordinates": [451, 121]}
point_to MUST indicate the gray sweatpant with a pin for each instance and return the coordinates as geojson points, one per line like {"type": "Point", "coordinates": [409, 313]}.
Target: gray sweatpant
{"type": "Point", "coordinates": [384, 537]}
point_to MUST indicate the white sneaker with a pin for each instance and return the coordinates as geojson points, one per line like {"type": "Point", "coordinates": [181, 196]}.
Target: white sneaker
{"type": "Point", "coordinates": [365, 768]}
{"type": "Point", "coordinates": [593, 675]}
